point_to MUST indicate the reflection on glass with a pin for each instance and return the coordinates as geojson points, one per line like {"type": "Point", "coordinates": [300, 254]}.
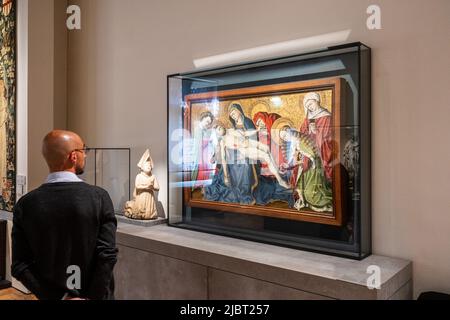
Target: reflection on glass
{"type": "Point", "coordinates": [109, 169]}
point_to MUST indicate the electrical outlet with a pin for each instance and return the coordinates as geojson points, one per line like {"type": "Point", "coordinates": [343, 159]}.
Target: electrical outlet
{"type": "Point", "coordinates": [21, 184]}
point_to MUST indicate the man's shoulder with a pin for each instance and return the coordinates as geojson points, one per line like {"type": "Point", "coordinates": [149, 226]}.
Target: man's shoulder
{"type": "Point", "coordinates": [26, 197]}
{"type": "Point", "coordinates": [99, 190]}
{"type": "Point", "coordinates": [45, 188]}
{"type": "Point", "coordinates": [87, 187]}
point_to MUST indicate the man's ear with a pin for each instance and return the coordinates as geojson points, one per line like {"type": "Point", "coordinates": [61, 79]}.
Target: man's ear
{"type": "Point", "coordinates": [73, 157]}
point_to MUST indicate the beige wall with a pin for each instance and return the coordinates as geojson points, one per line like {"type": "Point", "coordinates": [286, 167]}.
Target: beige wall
{"type": "Point", "coordinates": [117, 72]}
{"type": "Point", "coordinates": [47, 79]}
{"type": "Point", "coordinates": [40, 79]}
{"type": "Point", "coordinates": [60, 65]}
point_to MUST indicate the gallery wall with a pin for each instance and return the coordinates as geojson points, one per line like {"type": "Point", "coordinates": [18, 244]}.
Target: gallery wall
{"type": "Point", "coordinates": [118, 62]}
{"type": "Point", "coordinates": [47, 54]}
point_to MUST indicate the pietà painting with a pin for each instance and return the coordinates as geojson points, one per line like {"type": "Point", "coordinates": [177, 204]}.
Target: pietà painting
{"type": "Point", "coordinates": [7, 104]}
{"type": "Point", "coordinates": [271, 150]}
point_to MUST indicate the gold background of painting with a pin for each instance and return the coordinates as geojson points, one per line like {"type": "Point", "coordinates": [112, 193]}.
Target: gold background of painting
{"type": "Point", "coordinates": [291, 107]}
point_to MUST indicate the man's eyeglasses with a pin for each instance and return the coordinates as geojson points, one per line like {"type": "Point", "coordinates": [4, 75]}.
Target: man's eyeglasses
{"type": "Point", "coordinates": [85, 150]}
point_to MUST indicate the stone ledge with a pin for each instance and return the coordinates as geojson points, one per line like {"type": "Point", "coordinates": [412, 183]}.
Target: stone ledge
{"type": "Point", "coordinates": [5, 215]}
{"type": "Point", "coordinates": [142, 223]}
{"type": "Point", "coordinates": [329, 276]}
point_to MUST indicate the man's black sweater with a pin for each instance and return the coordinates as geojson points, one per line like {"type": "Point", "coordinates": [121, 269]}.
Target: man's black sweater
{"type": "Point", "coordinates": [61, 225]}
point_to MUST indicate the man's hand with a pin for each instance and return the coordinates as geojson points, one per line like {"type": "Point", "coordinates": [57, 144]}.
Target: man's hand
{"type": "Point", "coordinates": [69, 297]}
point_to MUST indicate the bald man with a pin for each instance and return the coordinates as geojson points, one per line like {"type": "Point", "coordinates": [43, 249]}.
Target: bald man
{"type": "Point", "coordinates": [63, 237]}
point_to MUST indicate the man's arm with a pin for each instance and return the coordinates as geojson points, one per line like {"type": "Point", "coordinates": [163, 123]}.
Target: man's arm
{"type": "Point", "coordinates": [106, 251]}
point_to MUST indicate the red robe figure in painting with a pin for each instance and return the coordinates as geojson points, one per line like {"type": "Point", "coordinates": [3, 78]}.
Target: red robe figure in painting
{"type": "Point", "coordinates": [317, 125]}
{"type": "Point", "coordinates": [264, 122]}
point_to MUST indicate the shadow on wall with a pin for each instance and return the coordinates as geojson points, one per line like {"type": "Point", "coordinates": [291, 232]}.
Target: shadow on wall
{"type": "Point", "coordinates": [160, 208]}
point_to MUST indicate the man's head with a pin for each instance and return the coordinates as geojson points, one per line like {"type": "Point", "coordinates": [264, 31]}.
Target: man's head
{"type": "Point", "coordinates": [64, 151]}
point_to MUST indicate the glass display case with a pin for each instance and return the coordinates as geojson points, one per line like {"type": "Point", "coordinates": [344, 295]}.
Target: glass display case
{"type": "Point", "coordinates": [109, 168]}
{"type": "Point", "coordinates": [276, 151]}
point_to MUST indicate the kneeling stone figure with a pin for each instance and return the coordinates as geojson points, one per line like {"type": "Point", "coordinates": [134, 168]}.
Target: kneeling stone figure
{"type": "Point", "coordinates": [143, 205]}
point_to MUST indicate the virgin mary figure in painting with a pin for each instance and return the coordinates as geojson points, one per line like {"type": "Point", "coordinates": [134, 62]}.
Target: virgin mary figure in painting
{"type": "Point", "coordinates": [317, 125]}
{"type": "Point", "coordinates": [242, 173]}
{"type": "Point", "coordinates": [312, 189]}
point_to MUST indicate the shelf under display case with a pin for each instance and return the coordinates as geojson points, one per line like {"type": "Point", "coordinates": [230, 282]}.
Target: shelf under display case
{"type": "Point", "coordinates": [275, 151]}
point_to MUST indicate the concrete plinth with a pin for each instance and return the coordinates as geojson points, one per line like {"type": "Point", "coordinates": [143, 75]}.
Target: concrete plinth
{"type": "Point", "coordinates": [163, 262]}
{"type": "Point", "coordinates": [142, 223]}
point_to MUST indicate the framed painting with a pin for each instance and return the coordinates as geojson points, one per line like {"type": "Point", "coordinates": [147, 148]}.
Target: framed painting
{"type": "Point", "coordinates": [270, 150]}
{"type": "Point", "coordinates": [7, 104]}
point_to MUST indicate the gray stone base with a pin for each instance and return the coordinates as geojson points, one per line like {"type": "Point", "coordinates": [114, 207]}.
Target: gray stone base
{"type": "Point", "coordinates": [142, 223]}
{"type": "Point", "coordinates": [4, 215]}
{"type": "Point", "coordinates": [169, 263]}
